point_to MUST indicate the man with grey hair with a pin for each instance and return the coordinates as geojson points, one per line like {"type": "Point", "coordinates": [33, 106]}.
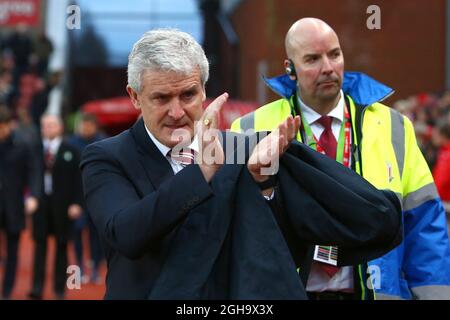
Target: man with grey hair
{"type": "Point", "coordinates": [167, 74]}
{"type": "Point", "coordinates": [137, 186]}
{"type": "Point", "coordinates": [164, 221]}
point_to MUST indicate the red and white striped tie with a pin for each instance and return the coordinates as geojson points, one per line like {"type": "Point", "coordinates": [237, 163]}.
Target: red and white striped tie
{"type": "Point", "coordinates": [184, 156]}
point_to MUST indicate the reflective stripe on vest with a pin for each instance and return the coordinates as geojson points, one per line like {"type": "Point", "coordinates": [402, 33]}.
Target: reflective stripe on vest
{"type": "Point", "coordinates": [398, 138]}
{"type": "Point", "coordinates": [248, 122]}
{"type": "Point", "coordinates": [421, 195]}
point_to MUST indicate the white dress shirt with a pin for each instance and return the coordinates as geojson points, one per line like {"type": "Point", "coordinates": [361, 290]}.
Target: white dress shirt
{"type": "Point", "coordinates": [176, 166]}
{"type": "Point", "coordinates": [312, 116]}
{"type": "Point", "coordinates": [52, 146]}
{"type": "Point", "coordinates": [318, 280]}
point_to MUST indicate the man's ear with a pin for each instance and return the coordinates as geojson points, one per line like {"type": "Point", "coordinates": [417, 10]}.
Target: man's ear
{"type": "Point", "coordinates": [134, 97]}
{"type": "Point", "coordinates": [286, 65]}
{"type": "Point", "coordinates": [204, 94]}
{"type": "Point", "coordinates": [290, 69]}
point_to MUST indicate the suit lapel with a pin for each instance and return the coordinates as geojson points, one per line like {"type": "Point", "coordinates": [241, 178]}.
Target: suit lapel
{"type": "Point", "coordinates": [59, 155]}
{"type": "Point", "coordinates": [156, 166]}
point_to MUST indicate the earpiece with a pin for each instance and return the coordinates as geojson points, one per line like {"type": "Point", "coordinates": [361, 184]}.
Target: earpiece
{"type": "Point", "coordinates": [290, 69]}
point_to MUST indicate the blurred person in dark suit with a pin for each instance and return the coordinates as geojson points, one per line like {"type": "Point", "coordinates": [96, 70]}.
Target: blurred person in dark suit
{"type": "Point", "coordinates": [21, 46]}
{"type": "Point", "coordinates": [87, 132]}
{"type": "Point", "coordinates": [60, 205]}
{"type": "Point", "coordinates": [40, 100]}
{"type": "Point", "coordinates": [20, 187]}
{"type": "Point", "coordinates": [6, 88]}
{"type": "Point", "coordinates": [42, 49]}
{"type": "Point", "coordinates": [28, 130]}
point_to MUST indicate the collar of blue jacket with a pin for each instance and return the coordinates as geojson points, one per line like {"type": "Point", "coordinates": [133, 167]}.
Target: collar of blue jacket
{"type": "Point", "coordinates": [363, 89]}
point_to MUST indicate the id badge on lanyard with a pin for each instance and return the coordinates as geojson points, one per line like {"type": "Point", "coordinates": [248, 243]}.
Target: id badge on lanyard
{"type": "Point", "coordinates": [329, 254]}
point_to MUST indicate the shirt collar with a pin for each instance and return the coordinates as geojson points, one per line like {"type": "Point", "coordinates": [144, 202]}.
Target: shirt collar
{"type": "Point", "coordinates": [53, 144]}
{"type": "Point", "coordinates": [312, 116]}
{"type": "Point", "coordinates": [165, 149]}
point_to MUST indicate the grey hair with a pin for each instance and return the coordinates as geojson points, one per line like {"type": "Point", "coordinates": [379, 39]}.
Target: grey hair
{"type": "Point", "coordinates": [166, 50]}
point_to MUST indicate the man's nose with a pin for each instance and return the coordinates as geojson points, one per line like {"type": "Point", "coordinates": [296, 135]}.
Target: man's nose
{"type": "Point", "coordinates": [176, 110]}
{"type": "Point", "coordinates": [326, 66]}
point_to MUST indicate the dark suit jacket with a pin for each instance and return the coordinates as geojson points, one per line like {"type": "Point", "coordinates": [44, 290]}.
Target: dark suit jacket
{"type": "Point", "coordinates": [67, 190]}
{"type": "Point", "coordinates": [138, 206]}
{"type": "Point", "coordinates": [19, 171]}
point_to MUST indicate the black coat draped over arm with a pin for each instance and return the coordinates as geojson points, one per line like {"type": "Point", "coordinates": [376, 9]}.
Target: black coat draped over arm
{"type": "Point", "coordinates": [231, 247]}
{"type": "Point", "coordinates": [172, 236]}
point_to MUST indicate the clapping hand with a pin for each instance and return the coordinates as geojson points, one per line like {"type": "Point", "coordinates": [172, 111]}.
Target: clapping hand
{"type": "Point", "coordinates": [211, 155]}
{"type": "Point", "coordinates": [264, 159]}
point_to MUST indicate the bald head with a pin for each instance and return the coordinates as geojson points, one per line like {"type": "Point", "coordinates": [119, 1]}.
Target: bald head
{"type": "Point", "coordinates": [314, 49]}
{"type": "Point", "coordinates": [51, 126]}
{"type": "Point", "coordinates": [305, 32]}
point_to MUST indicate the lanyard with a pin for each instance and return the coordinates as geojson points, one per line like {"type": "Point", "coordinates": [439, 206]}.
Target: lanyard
{"type": "Point", "coordinates": [343, 146]}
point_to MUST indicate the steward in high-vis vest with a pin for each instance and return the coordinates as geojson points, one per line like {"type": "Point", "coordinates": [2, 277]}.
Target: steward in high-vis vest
{"type": "Point", "coordinates": [384, 151]}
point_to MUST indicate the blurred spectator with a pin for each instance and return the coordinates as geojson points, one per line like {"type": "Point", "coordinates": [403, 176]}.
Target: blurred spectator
{"type": "Point", "coordinates": [426, 111]}
{"type": "Point", "coordinates": [19, 169]}
{"type": "Point", "coordinates": [6, 88]}
{"type": "Point", "coordinates": [1, 248]}
{"type": "Point", "coordinates": [20, 45]}
{"type": "Point", "coordinates": [87, 133]}
{"type": "Point", "coordinates": [55, 94]}
{"type": "Point", "coordinates": [39, 99]}
{"type": "Point", "coordinates": [441, 172]}
{"type": "Point", "coordinates": [43, 48]}
{"type": "Point", "coordinates": [2, 42]}
{"type": "Point", "coordinates": [28, 130]}
{"type": "Point", "coordinates": [7, 61]}
{"type": "Point", "coordinates": [60, 205]}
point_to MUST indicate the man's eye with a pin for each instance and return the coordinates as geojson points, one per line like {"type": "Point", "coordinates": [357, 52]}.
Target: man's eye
{"type": "Point", "coordinates": [336, 54]}
{"type": "Point", "coordinates": [160, 98]}
{"type": "Point", "coordinates": [188, 95]}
